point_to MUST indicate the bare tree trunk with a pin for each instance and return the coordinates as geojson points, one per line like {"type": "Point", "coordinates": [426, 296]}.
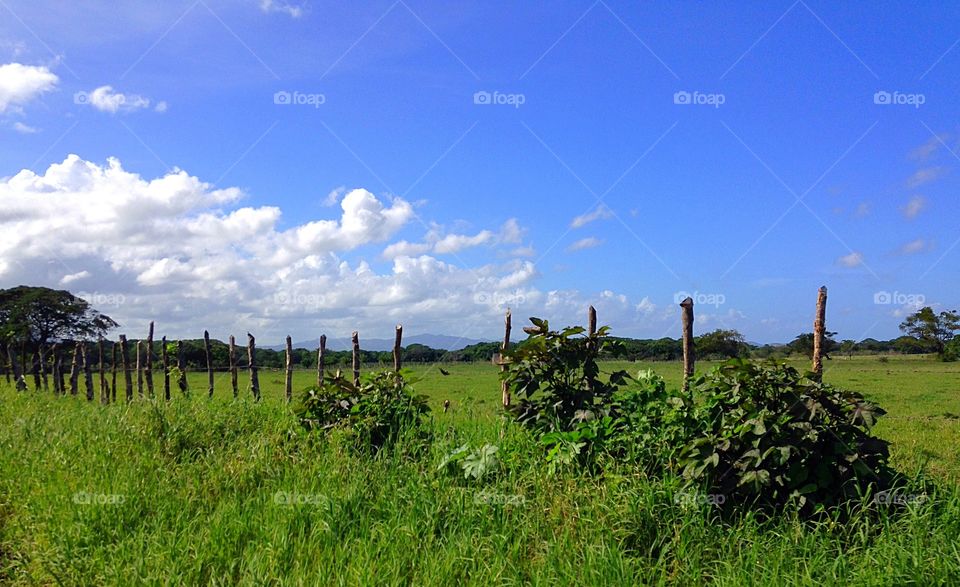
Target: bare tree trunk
{"type": "Point", "coordinates": [819, 330]}
{"type": "Point", "coordinates": [209, 357]}
{"type": "Point", "coordinates": [139, 369]}
{"type": "Point", "coordinates": [15, 367]}
{"type": "Point", "coordinates": [397, 349]}
{"type": "Point", "coordinates": [288, 379]}
{"type": "Point", "coordinates": [688, 358]}
{"type": "Point", "coordinates": [504, 387]}
{"type": "Point", "coordinates": [125, 365]}
{"type": "Point", "coordinates": [165, 363]}
{"type": "Point", "coordinates": [35, 368]}
{"type": "Point", "coordinates": [87, 371]}
{"type": "Point", "coordinates": [149, 366]}
{"type": "Point", "coordinates": [182, 367]}
{"type": "Point", "coordinates": [321, 359]}
{"type": "Point", "coordinates": [251, 358]}
{"type": "Point", "coordinates": [356, 357]}
{"type": "Point", "coordinates": [75, 370]}
{"type": "Point", "coordinates": [233, 365]}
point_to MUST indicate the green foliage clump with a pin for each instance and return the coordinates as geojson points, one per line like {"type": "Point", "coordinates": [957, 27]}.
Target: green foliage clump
{"type": "Point", "coordinates": [474, 464]}
{"type": "Point", "coordinates": [373, 415]}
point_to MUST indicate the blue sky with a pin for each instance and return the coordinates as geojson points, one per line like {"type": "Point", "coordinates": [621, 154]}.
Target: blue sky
{"type": "Point", "coordinates": [586, 179]}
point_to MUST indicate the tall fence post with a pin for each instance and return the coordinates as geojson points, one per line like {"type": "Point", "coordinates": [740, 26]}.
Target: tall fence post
{"type": "Point", "coordinates": [115, 349]}
{"type": "Point", "coordinates": [209, 357]}
{"type": "Point", "coordinates": [15, 367]}
{"type": "Point", "coordinates": [139, 369]}
{"type": "Point", "coordinates": [819, 331]}
{"type": "Point", "coordinates": [504, 387]}
{"type": "Point", "coordinates": [87, 372]}
{"type": "Point", "coordinates": [397, 349]}
{"type": "Point", "coordinates": [165, 363]}
{"type": "Point", "coordinates": [356, 357]}
{"type": "Point", "coordinates": [125, 365]}
{"type": "Point", "coordinates": [688, 358]}
{"type": "Point", "coordinates": [288, 375]}
{"type": "Point", "coordinates": [43, 367]}
{"type": "Point", "coordinates": [55, 369]}
{"type": "Point", "coordinates": [102, 371]}
{"type": "Point", "coordinates": [35, 369]}
{"type": "Point", "coordinates": [182, 367]}
{"type": "Point", "coordinates": [233, 365]}
{"type": "Point", "coordinates": [75, 370]}
{"type": "Point", "coordinates": [251, 354]}
{"type": "Point", "coordinates": [321, 359]}
{"type": "Point", "coordinates": [591, 332]}
{"type": "Point", "coordinates": [149, 360]}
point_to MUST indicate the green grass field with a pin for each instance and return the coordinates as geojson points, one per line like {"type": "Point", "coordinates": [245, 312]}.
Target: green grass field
{"type": "Point", "coordinates": [223, 492]}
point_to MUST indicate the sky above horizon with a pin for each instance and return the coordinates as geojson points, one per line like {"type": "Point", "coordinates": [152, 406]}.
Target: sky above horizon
{"type": "Point", "coordinates": [305, 167]}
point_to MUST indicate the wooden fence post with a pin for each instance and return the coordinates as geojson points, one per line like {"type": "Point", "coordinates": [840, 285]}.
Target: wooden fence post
{"type": "Point", "coordinates": [165, 363]}
{"type": "Point", "coordinates": [819, 330]}
{"type": "Point", "coordinates": [113, 371]}
{"type": "Point", "coordinates": [233, 365]}
{"type": "Point", "coordinates": [75, 369]}
{"type": "Point", "coordinates": [139, 369]}
{"type": "Point", "coordinates": [125, 366]}
{"type": "Point", "coordinates": [182, 367]}
{"type": "Point", "coordinates": [356, 357]}
{"type": "Point", "coordinates": [397, 349]}
{"type": "Point", "coordinates": [35, 368]}
{"type": "Point", "coordinates": [87, 371]}
{"type": "Point", "coordinates": [504, 387]}
{"type": "Point", "coordinates": [54, 369]}
{"type": "Point", "coordinates": [43, 367]}
{"type": "Point", "coordinates": [688, 357]}
{"type": "Point", "coordinates": [149, 366]}
{"type": "Point", "coordinates": [251, 354]}
{"type": "Point", "coordinates": [209, 357]}
{"type": "Point", "coordinates": [288, 378]}
{"type": "Point", "coordinates": [321, 359]}
{"type": "Point", "coordinates": [101, 369]}
{"type": "Point", "coordinates": [15, 367]}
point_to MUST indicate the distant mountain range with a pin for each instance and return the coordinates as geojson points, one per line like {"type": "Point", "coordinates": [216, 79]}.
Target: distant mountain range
{"type": "Point", "coordinates": [434, 341]}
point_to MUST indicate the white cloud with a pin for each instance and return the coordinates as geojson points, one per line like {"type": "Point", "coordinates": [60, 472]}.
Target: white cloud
{"type": "Point", "coordinates": [916, 205]}
{"type": "Point", "coordinates": [20, 84]}
{"type": "Point", "coordinates": [600, 213]}
{"type": "Point", "coordinates": [511, 232]}
{"type": "Point", "coordinates": [334, 196]}
{"type": "Point", "coordinates": [854, 259]}
{"type": "Point", "coordinates": [68, 279]}
{"type": "Point", "coordinates": [863, 210]}
{"type": "Point", "coordinates": [924, 176]}
{"type": "Point", "coordinates": [453, 243]}
{"type": "Point", "coordinates": [161, 107]}
{"type": "Point", "coordinates": [405, 249]}
{"type": "Point", "coordinates": [585, 243]}
{"type": "Point", "coordinates": [913, 247]}
{"type": "Point", "coordinates": [269, 6]}
{"type": "Point", "coordinates": [23, 128]}
{"type": "Point", "coordinates": [105, 99]}
{"type": "Point", "coordinates": [927, 149]}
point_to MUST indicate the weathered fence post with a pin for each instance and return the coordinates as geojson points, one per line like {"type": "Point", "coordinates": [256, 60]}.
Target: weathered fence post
{"type": "Point", "coordinates": [819, 330]}
{"type": "Point", "coordinates": [165, 363]}
{"type": "Point", "coordinates": [101, 369]}
{"type": "Point", "coordinates": [75, 369]}
{"type": "Point", "coordinates": [87, 371]}
{"type": "Point", "coordinates": [115, 349]}
{"type": "Point", "coordinates": [397, 349]}
{"type": "Point", "coordinates": [356, 357]}
{"type": "Point", "coordinates": [591, 332]}
{"type": "Point", "coordinates": [288, 378]}
{"type": "Point", "coordinates": [139, 369]}
{"type": "Point", "coordinates": [209, 357]}
{"type": "Point", "coordinates": [35, 368]}
{"type": "Point", "coordinates": [251, 354]}
{"type": "Point", "coordinates": [54, 369]}
{"type": "Point", "coordinates": [233, 365]}
{"type": "Point", "coordinates": [688, 358]}
{"type": "Point", "coordinates": [15, 367]}
{"type": "Point", "coordinates": [149, 365]}
{"type": "Point", "coordinates": [504, 387]}
{"type": "Point", "coordinates": [43, 367]}
{"type": "Point", "coordinates": [182, 367]}
{"type": "Point", "coordinates": [125, 365]}
{"type": "Point", "coordinates": [321, 358]}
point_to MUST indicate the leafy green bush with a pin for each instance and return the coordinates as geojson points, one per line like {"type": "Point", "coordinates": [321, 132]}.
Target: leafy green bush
{"type": "Point", "coordinates": [373, 415]}
{"type": "Point", "coordinates": [474, 464]}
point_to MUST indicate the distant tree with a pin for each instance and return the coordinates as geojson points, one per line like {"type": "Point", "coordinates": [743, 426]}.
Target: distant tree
{"type": "Point", "coordinates": [935, 329]}
{"type": "Point", "coordinates": [721, 343]}
{"type": "Point", "coordinates": [39, 315]}
{"type": "Point", "coordinates": [803, 344]}
{"type": "Point", "coordinates": [847, 347]}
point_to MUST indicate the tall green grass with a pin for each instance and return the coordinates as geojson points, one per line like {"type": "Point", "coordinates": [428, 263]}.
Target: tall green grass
{"type": "Point", "coordinates": [228, 491]}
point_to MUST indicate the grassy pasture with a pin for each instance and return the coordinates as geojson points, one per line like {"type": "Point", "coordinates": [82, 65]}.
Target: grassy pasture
{"type": "Point", "coordinates": [225, 492]}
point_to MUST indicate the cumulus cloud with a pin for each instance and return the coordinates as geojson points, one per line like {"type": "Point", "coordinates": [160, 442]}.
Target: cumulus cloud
{"type": "Point", "coordinates": [915, 246]}
{"type": "Point", "coordinates": [600, 213]}
{"type": "Point", "coordinates": [279, 6]}
{"type": "Point", "coordinates": [20, 84]}
{"type": "Point", "coordinates": [105, 99]}
{"type": "Point", "coordinates": [927, 149]}
{"type": "Point", "coordinates": [925, 176]}
{"type": "Point", "coordinates": [585, 243]}
{"type": "Point", "coordinates": [854, 259]}
{"type": "Point", "coordinates": [23, 128]}
{"type": "Point", "coordinates": [916, 205]}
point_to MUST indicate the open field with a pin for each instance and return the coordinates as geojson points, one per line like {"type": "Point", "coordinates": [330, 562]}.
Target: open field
{"type": "Point", "coordinates": [229, 491]}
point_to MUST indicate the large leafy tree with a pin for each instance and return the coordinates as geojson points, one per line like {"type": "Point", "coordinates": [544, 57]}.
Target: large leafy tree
{"type": "Point", "coordinates": [39, 315]}
{"type": "Point", "coordinates": [932, 328]}
{"type": "Point", "coordinates": [803, 344]}
{"type": "Point", "coordinates": [722, 343]}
